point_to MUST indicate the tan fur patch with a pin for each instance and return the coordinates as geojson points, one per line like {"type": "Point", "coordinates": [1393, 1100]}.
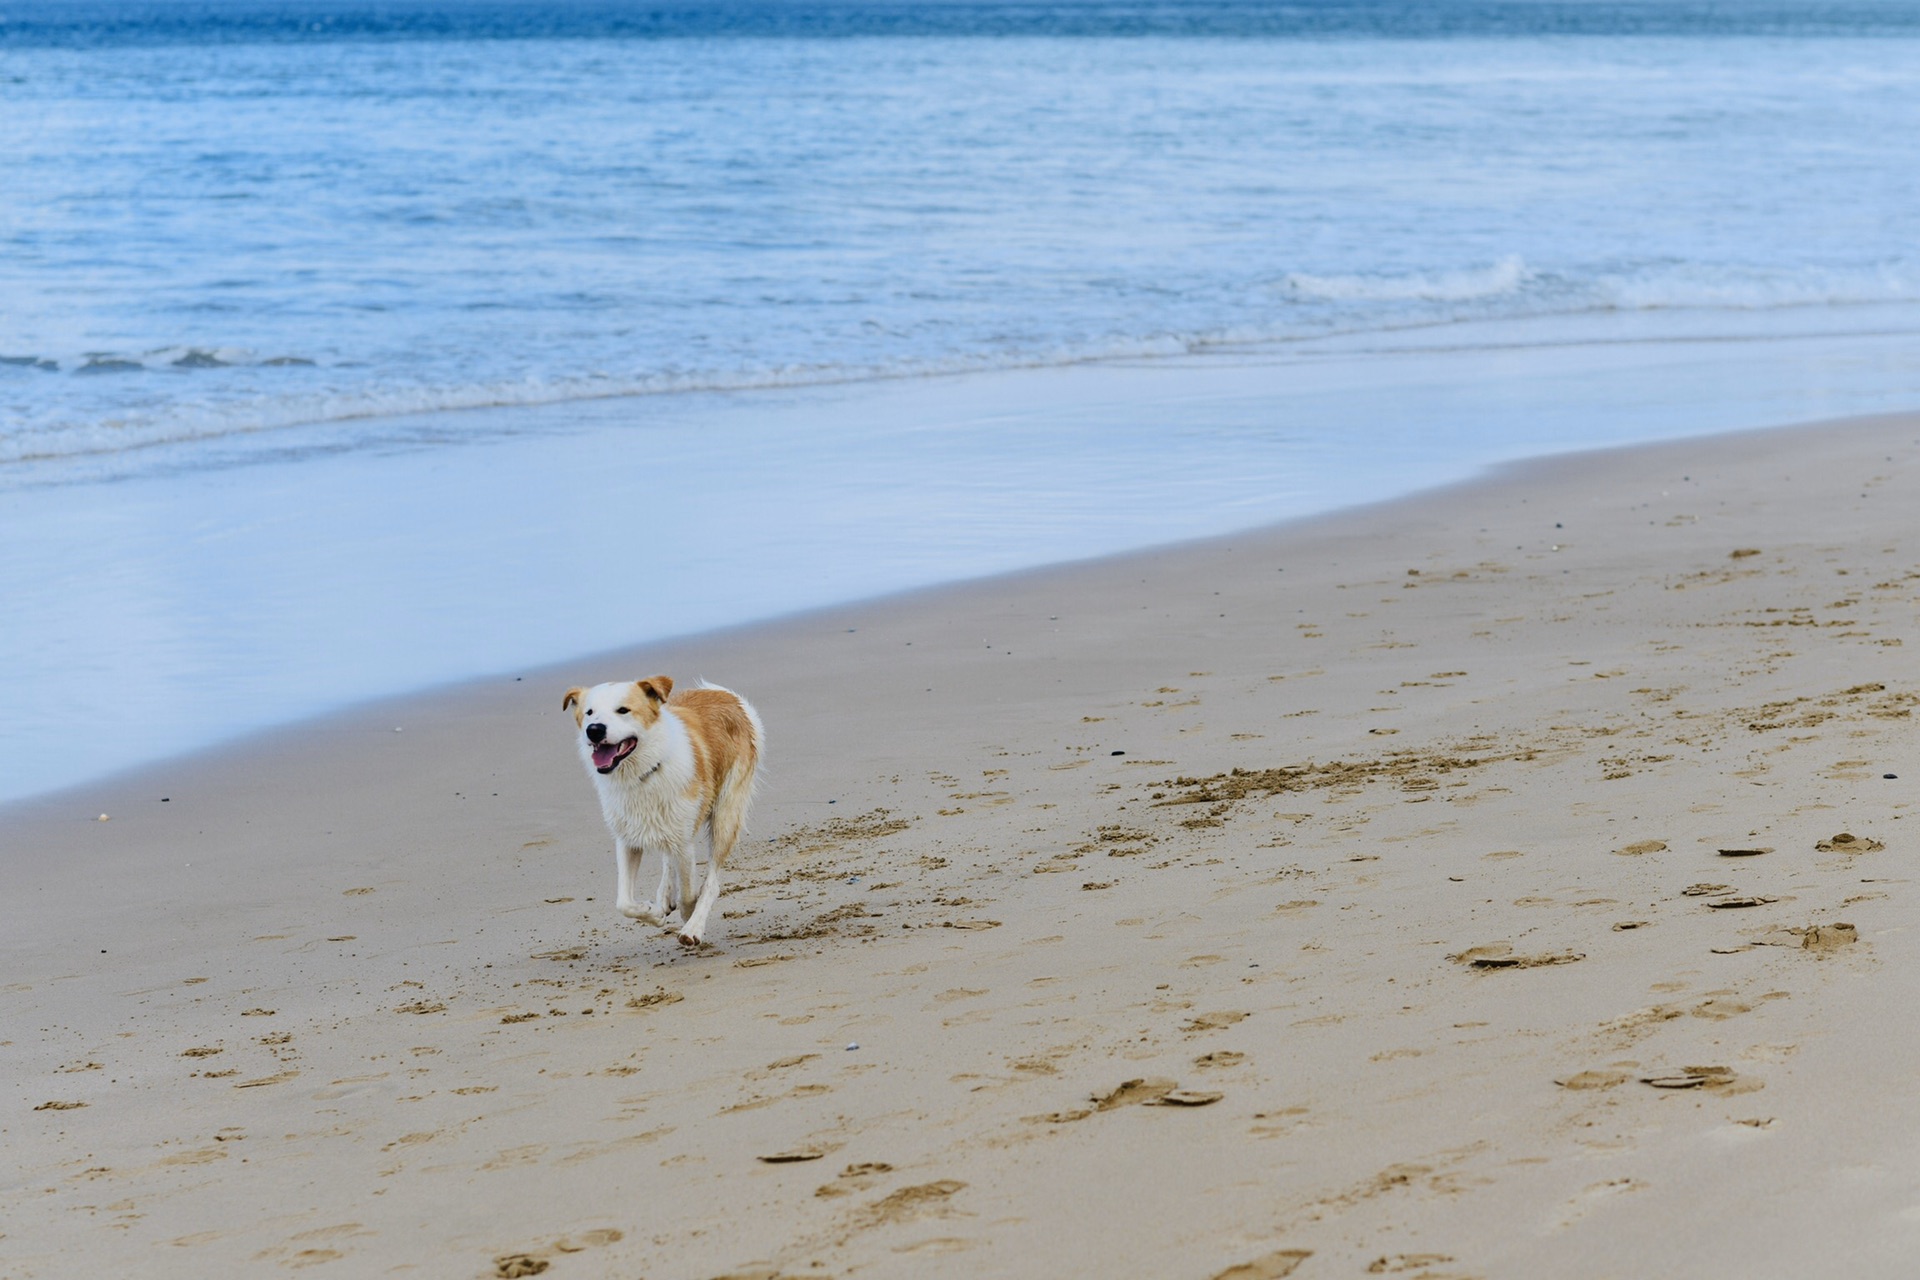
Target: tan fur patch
{"type": "Point", "coordinates": [641, 705]}
{"type": "Point", "coordinates": [721, 735]}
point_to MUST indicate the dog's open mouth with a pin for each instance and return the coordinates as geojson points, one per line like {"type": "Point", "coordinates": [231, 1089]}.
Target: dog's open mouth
{"type": "Point", "coordinates": [608, 755]}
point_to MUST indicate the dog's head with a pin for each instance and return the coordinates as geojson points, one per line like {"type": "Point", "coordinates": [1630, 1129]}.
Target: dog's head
{"type": "Point", "coordinates": [615, 717]}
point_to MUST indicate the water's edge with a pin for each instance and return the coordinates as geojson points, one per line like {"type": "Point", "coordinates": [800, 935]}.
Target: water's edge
{"type": "Point", "coordinates": [340, 725]}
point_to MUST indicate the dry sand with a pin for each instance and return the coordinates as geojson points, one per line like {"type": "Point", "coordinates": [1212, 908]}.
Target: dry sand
{"type": "Point", "coordinates": [1333, 900]}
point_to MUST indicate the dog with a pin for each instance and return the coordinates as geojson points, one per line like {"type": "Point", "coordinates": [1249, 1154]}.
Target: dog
{"type": "Point", "coordinates": [666, 764]}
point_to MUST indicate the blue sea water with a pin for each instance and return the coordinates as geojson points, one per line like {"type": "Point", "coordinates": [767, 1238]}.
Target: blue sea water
{"type": "Point", "coordinates": [294, 237]}
{"type": "Point", "coordinates": [220, 219]}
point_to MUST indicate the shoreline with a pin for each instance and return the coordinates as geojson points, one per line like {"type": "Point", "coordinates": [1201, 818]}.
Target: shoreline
{"type": "Point", "coordinates": [1380, 838]}
{"type": "Point", "coordinates": [260, 589]}
{"type": "Point", "coordinates": [1593, 328]}
{"type": "Point", "coordinates": [378, 709]}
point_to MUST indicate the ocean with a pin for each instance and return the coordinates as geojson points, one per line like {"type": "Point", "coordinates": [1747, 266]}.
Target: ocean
{"type": "Point", "coordinates": [341, 343]}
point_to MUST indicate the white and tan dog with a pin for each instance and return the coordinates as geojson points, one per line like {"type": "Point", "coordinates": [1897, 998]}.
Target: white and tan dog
{"type": "Point", "coordinates": [665, 764]}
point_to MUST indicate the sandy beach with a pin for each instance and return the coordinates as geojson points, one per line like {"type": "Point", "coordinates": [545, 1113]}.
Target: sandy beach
{"type": "Point", "coordinates": [1501, 882]}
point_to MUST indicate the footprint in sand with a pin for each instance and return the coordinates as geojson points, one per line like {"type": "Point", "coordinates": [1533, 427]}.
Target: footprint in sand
{"type": "Point", "coordinates": [1214, 1021]}
{"type": "Point", "coordinates": [314, 1258]}
{"type": "Point", "coordinates": [1406, 1262]}
{"type": "Point", "coordinates": [595, 1239]}
{"type": "Point", "coordinates": [906, 1204]}
{"type": "Point", "coordinates": [655, 999]}
{"type": "Point", "coordinates": [536, 1262]}
{"type": "Point", "coordinates": [1152, 1091]}
{"type": "Point", "coordinates": [1847, 842]}
{"type": "Point", "coordinates": [855, 1177]}
{"type": "Point", "coordinates": [1501, 955]}
{"type": "Point", "coordinates": [1271, 1266]}
{"type": "Point", "coordinates": [1711, 1079]}
{"type": "Point", "coordinates": [799, 1155]}
{"type": "Point", "coordinates": [1060, 1117]}
{"type": "Point", "coordinates": [1133, 1092]}
{"type": "Point", "coordinates": [1128, 1093]}
{"type": "Point", "coordinates": [1719, 1008]}
{"type": "Point", "coordinates": [1827, 937]}
{"type": "Point", "coordinates": [755, 1103]}
{"type": "Point", "coordinates": [1219, 1058]}
{"type": "Point", "coordinates": [515, 1157]}
{"type": "Point", "coordinates": [411, 1140]}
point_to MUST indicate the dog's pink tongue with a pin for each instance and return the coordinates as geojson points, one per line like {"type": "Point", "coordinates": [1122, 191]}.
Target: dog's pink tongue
{"type": "Point", "coordinates": [605, 754]}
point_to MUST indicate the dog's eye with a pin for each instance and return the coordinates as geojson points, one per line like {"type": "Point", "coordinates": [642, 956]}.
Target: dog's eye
{"type": "Point", "coordinates": [623, 711]}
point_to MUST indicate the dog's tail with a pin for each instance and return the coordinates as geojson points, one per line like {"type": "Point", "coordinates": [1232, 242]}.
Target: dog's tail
{"type": "Point", "coordinates": [735, 794]}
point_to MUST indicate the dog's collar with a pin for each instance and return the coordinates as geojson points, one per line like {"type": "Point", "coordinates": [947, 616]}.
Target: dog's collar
{"type": "Point", "coordinates": [649, 773]}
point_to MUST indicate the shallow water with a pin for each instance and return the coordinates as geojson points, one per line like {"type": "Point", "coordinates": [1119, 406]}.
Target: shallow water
{"type": "Point", "coordinates": [185, 603]}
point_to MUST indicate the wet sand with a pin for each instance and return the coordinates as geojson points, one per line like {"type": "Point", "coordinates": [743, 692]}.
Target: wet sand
{"type": "Point", "coordinates": [1448, 888]}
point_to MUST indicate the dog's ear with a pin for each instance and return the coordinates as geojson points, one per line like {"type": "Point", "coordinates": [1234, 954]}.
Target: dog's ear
{"type": "Point", "coordinates": [572, 699]}
{"type": "Point", "coordinates": [656, 688]}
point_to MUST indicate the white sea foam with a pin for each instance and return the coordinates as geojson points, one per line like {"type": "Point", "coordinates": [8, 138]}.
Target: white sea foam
{"type": "Point", "coordinates": [245, 393]}
{"type": "Point", "coordinates": [1697, 285]}
{"type": "Point", "coordinates": [1501, 279]}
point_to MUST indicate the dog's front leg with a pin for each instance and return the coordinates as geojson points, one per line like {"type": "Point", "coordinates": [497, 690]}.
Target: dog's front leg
{"type": "Point", "coordinates": [682, 859]}
{"type": "Point", "coordinates": [663, 899]}
{"type": "Point", "coordinates": [626, 860]}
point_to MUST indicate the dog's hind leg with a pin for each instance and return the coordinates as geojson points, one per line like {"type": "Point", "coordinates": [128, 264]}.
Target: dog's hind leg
{"type": "Point", "coordinates": [729, 815]}
{"type": "Point", "coordinates": [723, 830]}
{"type": "Point", "coordinates": [627, 864]}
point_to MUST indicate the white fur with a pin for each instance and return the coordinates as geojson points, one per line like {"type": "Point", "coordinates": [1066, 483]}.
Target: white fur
{"type": "Point", "coordinates": [650, 804]}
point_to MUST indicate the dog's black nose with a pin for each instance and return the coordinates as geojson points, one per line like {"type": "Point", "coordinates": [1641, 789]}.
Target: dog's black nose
{"type": "Point", "coordinates": [596, 732]}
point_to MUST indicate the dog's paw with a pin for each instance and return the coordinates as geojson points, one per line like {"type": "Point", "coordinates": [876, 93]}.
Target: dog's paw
{"type": "Point", "coordinates": [689, 940]}
{"type": "Point", "coordinates": [644, 914]}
